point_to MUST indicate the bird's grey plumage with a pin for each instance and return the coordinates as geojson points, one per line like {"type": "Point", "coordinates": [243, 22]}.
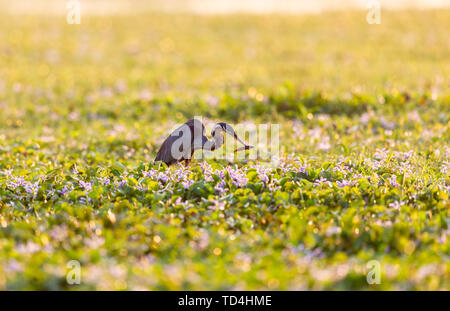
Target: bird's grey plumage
{"type": "Point", "coordinates": [165, 153]}
{"type": "Point", "coordinates": [182, 143]}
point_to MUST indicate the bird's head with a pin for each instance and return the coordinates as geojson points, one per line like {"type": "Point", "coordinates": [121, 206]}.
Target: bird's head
{"type": "Point", "coordinates": [226, 128]}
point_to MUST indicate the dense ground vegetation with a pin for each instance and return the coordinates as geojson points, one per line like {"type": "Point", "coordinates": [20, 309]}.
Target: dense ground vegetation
{"type": "Point", "coordinates": [364, 151]}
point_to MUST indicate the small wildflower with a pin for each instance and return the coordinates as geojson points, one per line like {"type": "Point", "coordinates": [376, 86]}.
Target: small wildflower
{"type": "Point", "coordinates": [322, 181]}
{"type": "Point", "coordinates": [393, 181]}
{"type": "Point", "coordinates": [87, 186]}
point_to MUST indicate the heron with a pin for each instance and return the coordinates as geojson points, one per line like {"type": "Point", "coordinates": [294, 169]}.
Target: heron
{"type": "Point", "coordinates": [185, 140]}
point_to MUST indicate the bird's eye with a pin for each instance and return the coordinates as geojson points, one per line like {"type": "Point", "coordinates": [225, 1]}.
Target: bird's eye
{"type": "Point", "coordinates": [213, 133]}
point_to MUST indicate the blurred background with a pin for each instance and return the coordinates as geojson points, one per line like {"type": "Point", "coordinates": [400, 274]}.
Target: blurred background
{"type": "Point", "coordinates": [213, 6]}
{"type": "Point", "coordinates": [139, 61]}
{"type": "Point", "coordinates": [188, 45]}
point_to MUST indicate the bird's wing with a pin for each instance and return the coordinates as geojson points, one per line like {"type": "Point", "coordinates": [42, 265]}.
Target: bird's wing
{"type": "Point", "coordinates": [197, 128]}
{"type": "Point", "coordinates": [168, 152]}
{"type": "Point", "coordinates": [165, 152]}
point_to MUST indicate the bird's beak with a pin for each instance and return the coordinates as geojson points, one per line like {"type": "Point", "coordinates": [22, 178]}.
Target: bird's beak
{"type": "Point", "coordinates": [230, 131]}
{"type": "Point", "coordinates": [246, 147]}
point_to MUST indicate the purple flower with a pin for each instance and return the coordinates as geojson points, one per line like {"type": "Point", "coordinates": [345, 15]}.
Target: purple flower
{"type": "Point", "coordinates": [17, 182]}
{"type": "Point", "coordinates": [381, 154]}
{"type": "Point", "coordinates": [324, 144]}
{"type": "Point", "coordinates": [141, 187]}
{"type": "Point", "coordinates": [180, 174]}
{"type": "Point", "coordinates": [396, 205]}
{"type": "Point", "coordinates": [264, 178]}
{"type": "Point", "coordinates": [28, 248]}
{"type": "Point", "coordinates": [344, 183]}
{"type": "Point", "coordinates": [85, 200]}
{"type": "Point", "coordinates": [221, 173]}
{"type": "Point", "coordinates": [151, 173]}
{"type": "Point", "coordinates": [64, 191]}
{"type": "Point", "coordinates": [406, 169]}
{"type": "Point", "coordinates": [187, 183]}
{"type": "Point", "coordinates": [86, 185]}
{"type": "Point", "coordinates": [59, 233]}
{"type": "Point", "coordinates": [7, 173]}
{"type": "Point", "coordinates": [301, 167]}
{"type": "Point", "coordinates": [373, 180]}
{"type": "Point", "coordinates": [445, 168]}
{"type": "Point", "coordinates": [104, 181]}
{"type": "Point", "coordinates": [32, 188]}
{"type": "Point", "coordinates": [237, 177]}
{"type": "Point", "coordinates": [393, 181]}
{"type": "Point", "coordinates": [274, 187]}
{"type": "Point", "coordinates": [14, 266]}
{"type": "Point", "coordinates": [285, 167]}
{"type": "Point", "coordinates": [403, 156]}
{"type": "Point", "coordinates": [373, 164]}
{"type": "Point", "coordinates": [205, 167]}
{"type": "Point", "coordinates": [185, 204]}
{"type": "Point", "coordinates": [162, 176]}
{"type": "Point", "coordinates": [207, 171]}
{"type": "Point", "coordinates": [343, 168]}
{"type": "Point", "coordinates": [357, 176]}
{"type": "Point", "coordinates": [322, 181]}
{"type": "Point", "coordinates": [217, 205]}
{"type": "Point", "coordinates": [262, 172]}
{"type": "Point", "coordinates": [220, 187]}
{"type": "Point", "coordinates": [121, 183]}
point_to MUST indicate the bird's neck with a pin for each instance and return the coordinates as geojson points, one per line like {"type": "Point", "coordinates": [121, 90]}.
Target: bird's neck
{"type": "Point", "coordinates": [211, 144]}
{"type": "Point", "coordinates": [218, 140]}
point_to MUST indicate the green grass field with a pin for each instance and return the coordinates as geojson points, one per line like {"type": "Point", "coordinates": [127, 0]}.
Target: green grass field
{"type": "Point", "coordinates": [364, 142]}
